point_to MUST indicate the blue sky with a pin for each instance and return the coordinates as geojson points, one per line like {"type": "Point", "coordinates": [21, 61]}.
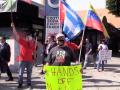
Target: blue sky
{"type": "Point", "coordinates": [83, 4]}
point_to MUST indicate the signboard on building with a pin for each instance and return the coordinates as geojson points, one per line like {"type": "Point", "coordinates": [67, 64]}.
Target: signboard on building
{"type": "Point", "coordinates": [52, 25]}
{"type": "Point", "coordinates": [105, 54]}
{"type": "Point", "coordinates": [51, 7]}
{"type": "Point", "coordinates": [52, 17]}
{"type": "Point", "coordinates": [41, 5]}
{"type": "Point", "coordinates": [8, 5]}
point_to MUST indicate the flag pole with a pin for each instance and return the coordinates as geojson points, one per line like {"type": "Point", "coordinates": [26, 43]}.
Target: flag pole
{"type": "Point", "coordinates": [11, 12]}
{"type": "Point", "coordinates": [36, 38]}
{"type": "Point", "coordinates": [82, 40]}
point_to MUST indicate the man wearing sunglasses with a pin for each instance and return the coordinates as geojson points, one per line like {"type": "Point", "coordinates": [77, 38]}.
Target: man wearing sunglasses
{"type": "Point", "coordinates": [61, 55]}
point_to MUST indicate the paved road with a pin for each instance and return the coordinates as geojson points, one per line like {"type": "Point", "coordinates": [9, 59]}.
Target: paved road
{"type": "Point", "coordinates": [92, 79]}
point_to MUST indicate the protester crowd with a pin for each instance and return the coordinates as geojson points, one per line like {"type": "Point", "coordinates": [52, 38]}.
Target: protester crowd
{"type": "Point", "coordinates": [56, 51]}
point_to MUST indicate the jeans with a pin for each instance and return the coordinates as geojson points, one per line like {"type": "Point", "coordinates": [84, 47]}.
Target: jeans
{"type": "Point", "coordinates": [88, 57]}
{"type": "Point", "coordinates": [28, 66]}
{"type": "Point", "coordinates": [100, 63]}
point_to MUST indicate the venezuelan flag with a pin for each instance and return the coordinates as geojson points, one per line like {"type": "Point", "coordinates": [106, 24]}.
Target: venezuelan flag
{"type": "Point", "coordinates": [94, 21]}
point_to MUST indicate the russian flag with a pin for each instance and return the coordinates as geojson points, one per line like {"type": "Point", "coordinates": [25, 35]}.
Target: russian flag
{"type": "Point", "coordinates": [73, 24]}
{"type": "Point", "coordinates": [94, 21]}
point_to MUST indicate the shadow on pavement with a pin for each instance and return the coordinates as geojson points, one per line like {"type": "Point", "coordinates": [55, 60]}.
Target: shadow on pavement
{"type": "Point", "coordinates": [97, 81]}
{"type": "Point", "coordinates": [85, 86]}
{"type": "Point", "coordinates": [84, 76]}
{"type": "Point", "coordinates": [13, 85]}
{"type": "Point", "coordinates": [112, 65]}
{"type": "Point", "coordinates": [3, 86]}
{"type": "Point", "coordinates": [38, 85]}
{"type": "Point", "coordinates": [107, 69]}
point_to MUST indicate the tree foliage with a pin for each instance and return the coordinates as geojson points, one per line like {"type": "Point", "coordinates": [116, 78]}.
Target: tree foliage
{"type": "Point", "coordinates": [113, 6]}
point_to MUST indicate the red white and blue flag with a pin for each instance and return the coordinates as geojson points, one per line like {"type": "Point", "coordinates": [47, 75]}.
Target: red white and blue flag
{"type": "Point", "coordinates": [73, 24]}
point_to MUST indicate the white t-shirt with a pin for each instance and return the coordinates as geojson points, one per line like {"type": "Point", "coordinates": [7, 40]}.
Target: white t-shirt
{"type": "Point", "coordinates": [104, 46]}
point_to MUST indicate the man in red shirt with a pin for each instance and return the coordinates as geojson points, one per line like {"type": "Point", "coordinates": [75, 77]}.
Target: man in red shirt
{"type": "Point", "coordinates": [72, 45]}
{"type": "Point", "coordinates": [27, 48]}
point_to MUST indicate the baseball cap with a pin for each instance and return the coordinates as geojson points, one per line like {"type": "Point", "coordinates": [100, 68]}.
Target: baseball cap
{"type": "Point", "coordinates": [60, 35]}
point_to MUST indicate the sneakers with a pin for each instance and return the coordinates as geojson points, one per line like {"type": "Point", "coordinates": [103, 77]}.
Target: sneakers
{"type": "Point", "coordinates": [84, 67]}
{"type": "Point", "coordinates": [19, 86]}
{"type": "Point", "coordinates": [9, 79]}
{"type": "Point", "coordinates": [98, 70]}
{"type": "Point", "coordinates": [29, 85]}
{"type": "Point", "coordinates": [42, 72]}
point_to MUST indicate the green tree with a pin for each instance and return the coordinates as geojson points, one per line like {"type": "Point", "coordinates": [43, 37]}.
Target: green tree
{"type": "Point", "coordinates": [113, 6]}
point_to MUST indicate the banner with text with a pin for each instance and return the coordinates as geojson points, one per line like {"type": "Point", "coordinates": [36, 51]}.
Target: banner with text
{"type": "Point", "coordinates": [63, 77]}
{"type": "Point", "coordinates": [105, 54]}
{"type": "Point", "coordinates": [8, 5]}
{"type": "Point", "coordinates": [52, 25]}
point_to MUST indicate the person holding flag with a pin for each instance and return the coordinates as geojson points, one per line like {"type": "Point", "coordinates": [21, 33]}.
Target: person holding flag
{"type": "Point", "coordinates": [72, 24]}
{"type": "Point", "coordinates": [27, 49]}
{"type": "Point", "coordinates": [61, 55]}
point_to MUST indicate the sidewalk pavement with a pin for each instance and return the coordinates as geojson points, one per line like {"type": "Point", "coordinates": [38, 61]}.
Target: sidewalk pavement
{"type": "Point", "coordinates": [38, 81]}
{"type": "Point", "coordinates": [109, 79]}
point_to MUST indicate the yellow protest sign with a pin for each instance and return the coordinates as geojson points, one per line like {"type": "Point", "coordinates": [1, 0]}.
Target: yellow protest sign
{"type": "Point", "coordinates": [63, 77]}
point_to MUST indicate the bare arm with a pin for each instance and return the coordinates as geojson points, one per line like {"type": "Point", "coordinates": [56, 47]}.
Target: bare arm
{"type": "Point", "coordinates": [80, 45]}
{"type": "Point", "coordinates": [14, 31]}
{"type": "Point", "coordinates": [89, 51]}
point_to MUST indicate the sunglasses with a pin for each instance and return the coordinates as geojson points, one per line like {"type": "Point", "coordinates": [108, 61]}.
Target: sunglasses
{"type": "Point", "coordinates": [61, 40]}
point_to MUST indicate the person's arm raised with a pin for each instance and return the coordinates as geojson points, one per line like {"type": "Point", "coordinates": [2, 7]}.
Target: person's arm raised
{"type": "Point", "coordinates": [14, 31]}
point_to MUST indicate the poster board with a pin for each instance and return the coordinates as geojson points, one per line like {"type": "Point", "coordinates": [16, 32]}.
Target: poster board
{"type": "Point", "coordinates": [63, 77]}
{"type": "Point", "coordinates": [105, 54]}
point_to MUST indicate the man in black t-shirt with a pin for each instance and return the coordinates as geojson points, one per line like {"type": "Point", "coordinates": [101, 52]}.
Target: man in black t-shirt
{"type": "Point", "coordinates": [61, 55]}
